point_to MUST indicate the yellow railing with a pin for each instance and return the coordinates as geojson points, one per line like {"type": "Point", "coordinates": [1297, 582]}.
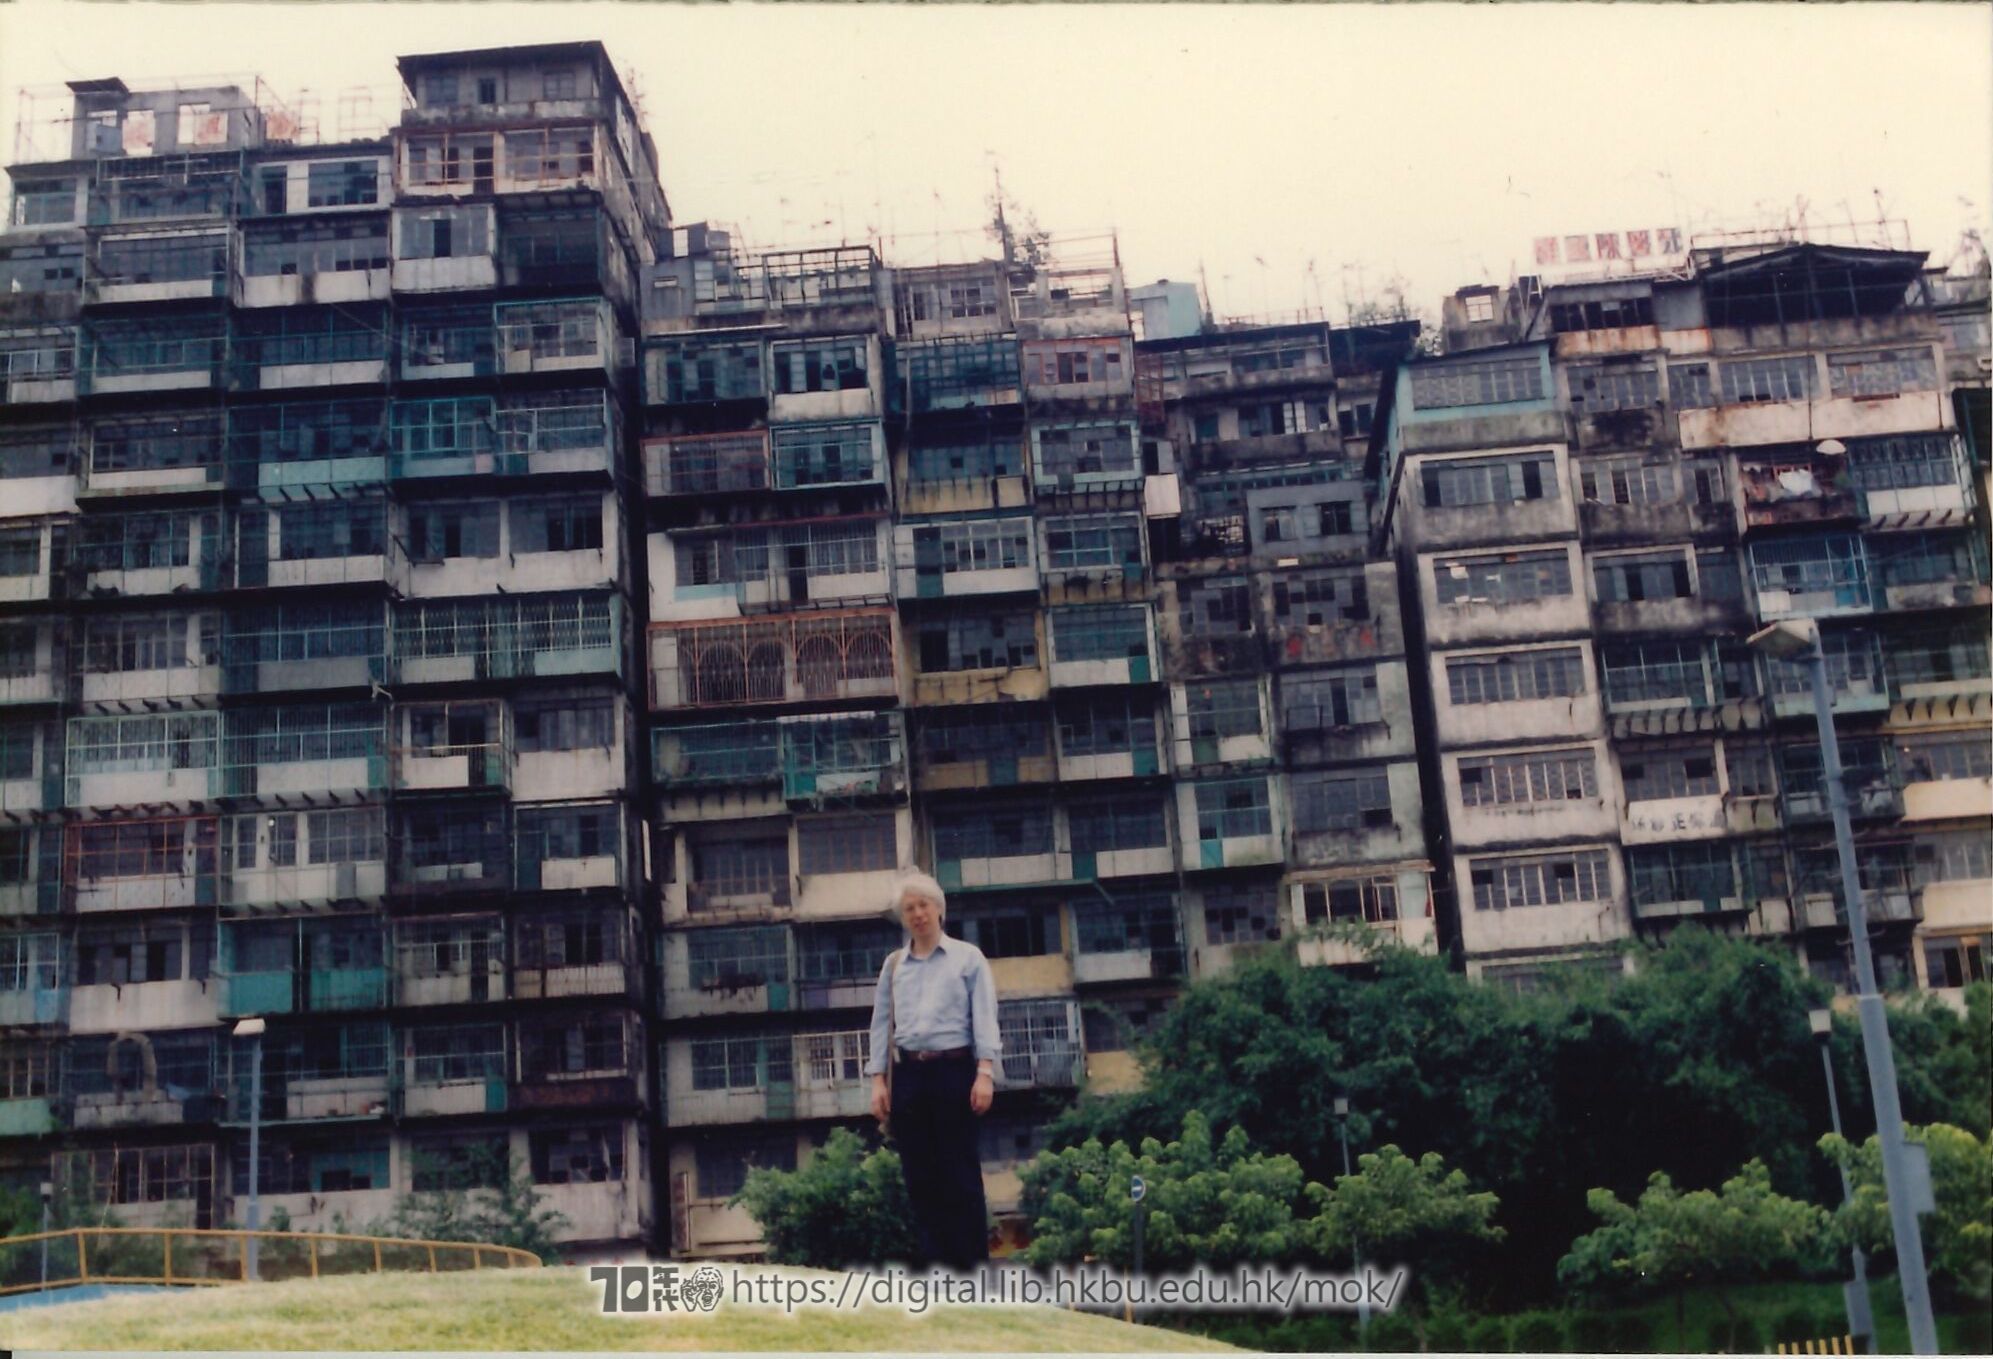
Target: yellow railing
{"type": "Point", "coordinates": [219, 1255]}
{"type": "Point", "coordinates": [1833, 1344]}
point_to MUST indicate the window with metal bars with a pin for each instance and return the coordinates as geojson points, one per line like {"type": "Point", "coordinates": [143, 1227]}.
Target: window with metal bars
{"type": "Point", "coordinates": [859, 843]}
{"type": "Point", "coordinates": [979, 642]}
{"type": "Point", "coordinates": [1528, 777]}
{"type": "Point", "coordinates": [1244, 914]}
{"type": "Point", "coordinates": [1510, 578]}
{"type": "Point", "coordinates": [1517, 676]}
{"type": "Point", "coordinates": [1342, 800]}
{"type": "Point", "coordinates": [1099, 632]}
{"type": "Point", "coordinates": [1634, 577]}
{"type": "Point", "coordinates": [1466, 482]}
{"type": "Point", "coordinates": [1483, 382]}
{"type": "Point", "coordinates": [1597, 387]}
{"type": "Point", "coordinates": [991, 833]}
{"type": "Point", "coordinates": [1649, 775]}
{"type": "Point", "coordinates": [1221, 708]}
{"type": "Point", "coordinates": [1540, 880]}
{"type": "Point", "coordinates": [1101, 827]}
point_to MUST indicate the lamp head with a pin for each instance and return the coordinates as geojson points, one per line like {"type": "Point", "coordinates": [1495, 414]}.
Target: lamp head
{"type": "Point", "coordinates": [1789, 640]}
{"type": "Point", "coordinates": [48, 1190]}
{"type": "Point", "coordinates": [249, 1028]}
{"type": "Point", "coordinates": [1342, 1106]}
{"type": "Point", "coordinates": [1821, 1021]}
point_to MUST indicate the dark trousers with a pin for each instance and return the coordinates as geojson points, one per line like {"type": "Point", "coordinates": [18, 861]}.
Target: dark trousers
{"type": "Point", "coordinates": [935, 1130]}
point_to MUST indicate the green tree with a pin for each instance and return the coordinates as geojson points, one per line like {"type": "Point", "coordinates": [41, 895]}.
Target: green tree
{"type": "Point", "coordinates": [845, 1207]}
{"type": "Point", "coordinates": [1697, 1059]}
{"type": "Point", "coordinates": [1217, 1203]}
{"type": "Point", "coordinates": [491, 1198]}
{"type": "Point", "coordinates": [1673, 1240]}
{"type": "Point", "coordinates": [1397, 1210]}
{"type": "Point", "coordinates": [1958, 1237]}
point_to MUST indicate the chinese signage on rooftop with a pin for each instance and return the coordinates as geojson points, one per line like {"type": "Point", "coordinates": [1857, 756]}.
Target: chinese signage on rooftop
{"type": "Point", "coordinates": [1604, 247]}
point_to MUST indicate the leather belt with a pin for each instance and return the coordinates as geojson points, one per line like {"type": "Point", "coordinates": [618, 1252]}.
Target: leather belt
{"type": "Point", "coordinates": [914, 1055]}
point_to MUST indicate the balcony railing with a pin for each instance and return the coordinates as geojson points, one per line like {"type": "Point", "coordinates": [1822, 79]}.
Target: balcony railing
{"type": "Point", "coordinates": [707, 464]}
{"type": "Point", "coordinates": [778, 660]}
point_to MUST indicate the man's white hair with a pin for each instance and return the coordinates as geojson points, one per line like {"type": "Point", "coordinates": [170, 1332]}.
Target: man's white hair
{"type": "Point", "coordinates": [920, 884]}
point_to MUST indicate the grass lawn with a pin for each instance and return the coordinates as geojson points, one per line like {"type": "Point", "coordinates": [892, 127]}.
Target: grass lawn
{"type": "Point", "coordinates": [549, 1309]}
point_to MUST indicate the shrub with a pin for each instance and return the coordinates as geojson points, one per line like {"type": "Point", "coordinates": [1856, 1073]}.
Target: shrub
{"type": "Point", "coordinates": [1446, 1329]}
{"type": "Point", "coordinates": [1593, 1331]}
{"type": "Point", "coordinates": [1796, 1324]}
{"type": "Point", "coordinates": [1390, 1333]}
{"type": "Point", "coordinates": [1538, 1333]}
{"type": "Point", "coordinates": [1632, 1333]}
{"type": "Point", "coordinates": [1488, 1335]}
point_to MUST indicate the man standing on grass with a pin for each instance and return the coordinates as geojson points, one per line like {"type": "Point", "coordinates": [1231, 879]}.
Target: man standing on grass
{"type": "Point", "coordinates": [934, 1042]}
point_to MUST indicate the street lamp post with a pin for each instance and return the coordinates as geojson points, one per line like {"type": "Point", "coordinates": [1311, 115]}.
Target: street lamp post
{"type": "Point", "coordinates": [48, 1200]}
{"type": "Point", "coordinates": [1861, 1321]}
{"type": "Point", "coordinates": [1799, 640]}
{"type": "Point", "coordinates": [1355, 1247]}
{"type": "Point", "coordinates": [252, 1029]}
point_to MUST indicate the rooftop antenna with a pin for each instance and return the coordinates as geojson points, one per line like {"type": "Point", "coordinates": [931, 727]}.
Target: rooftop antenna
{"type": "Point", "coordinates": [1204, 288]}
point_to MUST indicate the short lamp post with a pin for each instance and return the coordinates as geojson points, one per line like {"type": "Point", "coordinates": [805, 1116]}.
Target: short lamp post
{"type": "Point", "coordinates": [252, 1029]}
{"type": "Point", "coordinates": [1355, 1246]}
{"type": "Point", "coordinates": [1798, 641]}
{"type": "Point", "coordinates": [1861, 1322]}
{"type": "Point", "coordinates": [48, 1202]}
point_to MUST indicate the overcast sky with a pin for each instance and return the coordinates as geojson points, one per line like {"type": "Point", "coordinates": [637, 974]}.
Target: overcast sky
{"type": "Point", "coordinates": [1427, 142]}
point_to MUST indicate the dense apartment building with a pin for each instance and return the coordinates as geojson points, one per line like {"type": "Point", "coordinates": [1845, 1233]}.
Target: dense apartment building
{"type": "Point", "coordinates": [1594, 497]}
{"type": "Point", "coordinates": [320, 671]}
{"type": "Point", "coordinates": [925, 587]}
{"type": "Point", "coordinates": [509, 643]}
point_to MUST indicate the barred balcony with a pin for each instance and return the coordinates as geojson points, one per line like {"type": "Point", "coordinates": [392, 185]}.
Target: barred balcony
{"type": "Point", "coordinates": [437, 641]}
{"type": "Point", "coordinates": [461, 342]}
{"type": "Point", "coordinates": [805, 658]}
{"type": "Point", "coordinates": [742, 971]}
{"type": "Point", "coordinates": [31, 558]}
{"type": "Point", "coordinates": [126, 356]}
{"type": "Point", "coordinates": [305, 751]}
{"type": "Point", "coordinates": [157, 864]}
{"type": "Point", "coordinates": [159, 266]}
{"type": "Point", "coordinates": [338, 1073]}
{"type": "Point", "coordinates": [1240, 822]}
{"type": "Point", "coordinates": [1811, 577]}
{"type": "Point", "coordinates": [302, 965]}
{"type": "Point", "coordinates": [129, 760]}
{"type": "Point", "coordinates": [169, 552]}
{"type": "Point", "coordinates": [553, 337]}
{"type": "Point", "coordinates": [1112, 644]}
{"type": "Point", "coordinates": [576, 952]}
{"type": "Point", "coordinates": [452, 850]}
{"type": "Point", "coordinates": [956, 373]}
{"type": "Point", "coordinates": [293, 647]}
{"type": "Point", "coordinates": [38, 367]}
{"type": "Point", "coordinates": [1041, 1044]}
{"type": "Point", "coordinates": [707, 464]}
{"type": "Point", "coordinates": [977, 747]}
{"type": "Point", "coordinates": [311, 347]}
{"type": "Point", "coordinates": [778, 1078]}
{"type": "Point", "coordinates": [570, 847]}
{"type": "Point", "coordinates": [588, 1063]}
{"type": "Point", "coordinates": [453, 747]}
{"type": "Point", "coordinates": [450, 960]}
{"type": "Point", "coordinates": [1803, 488]}
{"type": "Point", "coordinates": [149, 456]}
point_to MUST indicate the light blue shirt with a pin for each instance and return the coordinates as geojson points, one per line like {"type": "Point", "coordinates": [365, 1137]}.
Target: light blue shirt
{"type": "Point", "coordinates": [946, 1000]}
